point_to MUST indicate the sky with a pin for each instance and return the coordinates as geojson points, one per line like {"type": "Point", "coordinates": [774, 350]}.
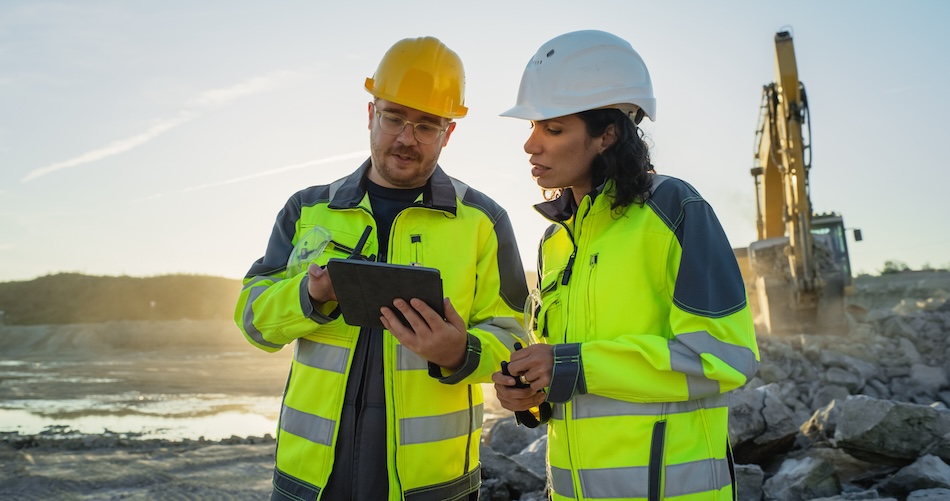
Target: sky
{"type": "Point", "coordinates": [153, 137]}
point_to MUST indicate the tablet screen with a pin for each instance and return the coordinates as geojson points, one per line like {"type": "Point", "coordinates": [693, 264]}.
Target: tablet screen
{"type": "Point", "coordinates": [363, 287]}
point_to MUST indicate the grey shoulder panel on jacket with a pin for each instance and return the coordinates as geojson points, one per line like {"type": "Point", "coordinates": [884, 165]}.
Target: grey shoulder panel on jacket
{"type": "Point", "coordinates": [473, 198]}
{"type": "Point", "coordinates": [514, 289]}
{"type": "Point", "coordinates": [708, 282]}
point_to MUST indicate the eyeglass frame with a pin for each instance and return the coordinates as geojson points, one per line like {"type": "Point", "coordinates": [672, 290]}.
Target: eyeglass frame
{"type": "Point", "coordinates": [379, 114]}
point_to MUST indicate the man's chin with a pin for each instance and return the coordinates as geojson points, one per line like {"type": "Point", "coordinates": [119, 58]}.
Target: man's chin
{"type": "Point", "coordinates": [405, 178]}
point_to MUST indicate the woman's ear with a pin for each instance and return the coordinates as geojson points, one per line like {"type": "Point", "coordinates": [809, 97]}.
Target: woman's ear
{"type": "Point", "coordinates": [608, 138]}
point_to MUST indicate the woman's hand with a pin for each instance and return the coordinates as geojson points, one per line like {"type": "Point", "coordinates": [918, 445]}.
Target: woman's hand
{"type": "Point", "coordinates": [532, 365]}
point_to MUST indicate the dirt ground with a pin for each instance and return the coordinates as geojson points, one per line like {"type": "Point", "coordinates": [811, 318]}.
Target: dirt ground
{"type": "Point", "coordinates": [101, 468]}
{"type": "Point", "coordinates": [166, 360]}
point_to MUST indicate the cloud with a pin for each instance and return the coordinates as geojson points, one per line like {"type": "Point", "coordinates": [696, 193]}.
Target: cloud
{"type": "Point", "coordinates": [211, 98]}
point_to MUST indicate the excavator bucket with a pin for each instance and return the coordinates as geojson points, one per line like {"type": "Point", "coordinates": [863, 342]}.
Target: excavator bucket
{"type": "Point", "coordinates": [779, 302]}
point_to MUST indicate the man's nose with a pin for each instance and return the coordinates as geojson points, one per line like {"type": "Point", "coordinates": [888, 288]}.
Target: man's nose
{"type": "Point", "coordinates": [408, 134]}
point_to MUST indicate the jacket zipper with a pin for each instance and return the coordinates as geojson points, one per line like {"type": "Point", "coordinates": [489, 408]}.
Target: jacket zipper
{"type": "Point", "coordinates": [591, 300]}
{"type": "Point", "coordinates": [655, 471]}
{"type": "Point", "coordinates": [570, 262]}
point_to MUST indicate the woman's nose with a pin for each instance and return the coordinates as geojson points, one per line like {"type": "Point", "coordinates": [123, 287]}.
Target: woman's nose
{"type": "Point", "coordinates": [532, 144]}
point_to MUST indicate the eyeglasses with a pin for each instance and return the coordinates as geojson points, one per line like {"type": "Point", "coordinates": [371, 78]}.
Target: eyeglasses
{"type": "Point", "coordinates": [425, 133]}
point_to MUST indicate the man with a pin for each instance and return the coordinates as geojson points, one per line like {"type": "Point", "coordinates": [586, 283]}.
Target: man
{"type": "Point", "coordinates": [373, 414]}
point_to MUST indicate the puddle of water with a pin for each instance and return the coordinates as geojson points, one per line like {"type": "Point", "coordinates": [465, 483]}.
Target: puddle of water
{"type": "Point", "coordinates": [212, 427]}
{"type": "Point", "coordinates": [158, 396]}
{"type": "Point", "coordinates": [213, 417]}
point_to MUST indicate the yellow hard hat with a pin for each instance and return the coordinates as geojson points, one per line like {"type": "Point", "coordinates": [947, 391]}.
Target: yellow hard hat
{"type": "Point", "coordinates": [424, 74]}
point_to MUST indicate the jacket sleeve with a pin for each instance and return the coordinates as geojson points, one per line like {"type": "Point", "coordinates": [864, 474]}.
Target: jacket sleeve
{"type": "Point", "coordinates": [497, 309]}
{"type": "Point", "coordinates": [273, 309]}
{"type": "Point", "coordinates": [708, 346]}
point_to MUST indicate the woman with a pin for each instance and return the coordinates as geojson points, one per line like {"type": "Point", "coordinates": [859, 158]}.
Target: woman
{"type": "Point", "coordinates": [642, 315]}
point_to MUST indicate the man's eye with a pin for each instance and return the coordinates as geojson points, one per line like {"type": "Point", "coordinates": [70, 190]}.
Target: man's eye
{"type": "Point", "coordinates": [427, 128]}
{"type": "Point", "coordinates": [393, 120]}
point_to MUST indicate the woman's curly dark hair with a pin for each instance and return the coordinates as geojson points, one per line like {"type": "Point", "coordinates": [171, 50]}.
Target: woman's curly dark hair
{"type": "Point", "coordinates": [626, 162]}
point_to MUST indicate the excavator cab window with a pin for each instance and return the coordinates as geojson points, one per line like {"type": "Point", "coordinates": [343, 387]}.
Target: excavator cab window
{"type": "Point", "coordinates": [830, 234]}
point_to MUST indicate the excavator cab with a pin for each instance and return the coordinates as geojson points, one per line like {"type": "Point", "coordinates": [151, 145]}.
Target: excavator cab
{"type": "Point", "coordinates": [829, 229]}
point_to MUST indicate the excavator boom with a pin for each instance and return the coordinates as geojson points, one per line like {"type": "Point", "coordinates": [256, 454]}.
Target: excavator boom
{"type": "Point", "coordinates": [796, 272]}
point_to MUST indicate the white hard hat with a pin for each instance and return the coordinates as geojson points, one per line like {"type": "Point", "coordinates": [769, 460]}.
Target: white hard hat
{"type": "Point", "coordinates": [580, 71]}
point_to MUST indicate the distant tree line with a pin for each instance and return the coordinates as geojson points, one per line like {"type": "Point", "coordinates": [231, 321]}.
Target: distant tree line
{"type": "Point", "coordinates": [894, 266]}
{"type": "Point", "coordinates": [75, 298]}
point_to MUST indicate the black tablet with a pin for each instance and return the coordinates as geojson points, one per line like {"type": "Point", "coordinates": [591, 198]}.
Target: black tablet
{"type": "Point", "coordinates": [363, 287]}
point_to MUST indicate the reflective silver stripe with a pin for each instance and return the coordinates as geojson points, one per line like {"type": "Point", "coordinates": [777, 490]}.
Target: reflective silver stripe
{"type": "Point", "coordinates": [426, 429]}
{"type": "Point", "coordinates": [453, 489]}
{"type": "Point", "coordinates": [685, 356]}
{"type": "Point", "coordinates": [631, 482]}
{"type": "Point", "coordinates": [628, 482]}
{"type": "Point", "coordinates": [502, 328]}
{"type": "Point", "coordinates": [335, 186]}
{"type": "Point", "coordinates": [406, 360]}
{"type": "Point", "coordinates": [561, 481]}
{"type": "Point", "coordinates": [321, 355]}
{"type": "Point", "coordinates": [557, 411]}
{"type": "Point", "coordinates": [592, 406]}
{"type": "Point", "coordinates": [697, 476]}
{"type": "Point", "coordinates": [248, 317]}
{"type": "Point", "coordinates": [314, 428]}
{"type": "Point", "coordinates": [255, 280]}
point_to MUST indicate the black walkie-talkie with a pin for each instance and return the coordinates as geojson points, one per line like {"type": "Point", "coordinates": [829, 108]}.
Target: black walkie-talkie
{"type": "Point", "coordinates": [534, 416]}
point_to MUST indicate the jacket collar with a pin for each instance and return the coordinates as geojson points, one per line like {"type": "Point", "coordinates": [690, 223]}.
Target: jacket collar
{"type": "Point", "coordinates": [439, 192]}
{"type": "Point", "coordinates": [563, 207]}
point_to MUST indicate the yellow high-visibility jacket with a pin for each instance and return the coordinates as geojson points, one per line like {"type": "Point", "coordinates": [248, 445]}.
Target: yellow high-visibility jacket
{"type": "Point", "coordinates": [648, 315]}
{"type": "Point", "coordinates": [433, 417]}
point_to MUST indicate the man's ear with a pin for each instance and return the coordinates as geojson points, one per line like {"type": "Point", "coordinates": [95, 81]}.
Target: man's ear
{"type": "Point", "coordinates": [448, 132]}
{"type": "Point", "coordinates": [370, 109]}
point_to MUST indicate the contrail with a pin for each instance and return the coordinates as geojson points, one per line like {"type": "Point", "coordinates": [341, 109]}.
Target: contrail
{"type": "Point", "coordinates": [248, 87]}
{"type": "Point", "coordinates": [903, 89]}
{"type": "Point", "coordinates": [346, 156]}
{"type": "Point", "coordinates": [208, 99]}
{"type": "Point", "coordinates": [113, 148]}
{"type": "Point", "coordinates": [270, 172]}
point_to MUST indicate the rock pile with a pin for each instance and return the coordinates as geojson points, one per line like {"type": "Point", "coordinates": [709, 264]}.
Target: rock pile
{"type": "Point", "coordinates": [860, 416]}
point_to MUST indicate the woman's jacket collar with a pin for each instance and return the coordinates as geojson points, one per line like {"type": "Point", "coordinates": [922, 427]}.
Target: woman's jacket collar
{"type": "Point", "coordinates": [563, 207]}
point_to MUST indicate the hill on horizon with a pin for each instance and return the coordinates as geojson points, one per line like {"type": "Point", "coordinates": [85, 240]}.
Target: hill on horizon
{"type": "Point", "coordinates": [66, 298]}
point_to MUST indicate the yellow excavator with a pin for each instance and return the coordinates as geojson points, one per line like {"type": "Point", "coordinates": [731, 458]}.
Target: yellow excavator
{"type": "Point", "coordinates": [798, 272]}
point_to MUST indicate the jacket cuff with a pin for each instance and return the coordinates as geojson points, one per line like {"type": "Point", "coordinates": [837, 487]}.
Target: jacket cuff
{"type": "Point", "coordinates": [568, 376]}
{"type": "Point", "coordinates": [328, 313]}
{"type": "Point", "coordinates": [473, 354]}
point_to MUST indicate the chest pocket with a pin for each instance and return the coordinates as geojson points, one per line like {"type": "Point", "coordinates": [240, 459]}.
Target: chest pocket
{"type": "Point", "coordinates": [547, 308]}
